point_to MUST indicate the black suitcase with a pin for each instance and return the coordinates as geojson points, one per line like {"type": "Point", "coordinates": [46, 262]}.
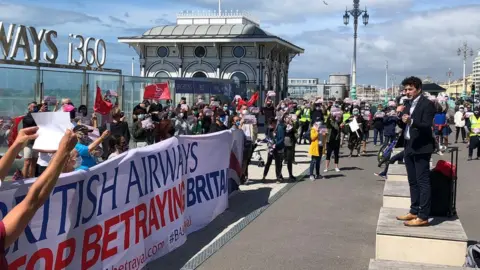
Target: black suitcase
{"type": "Point", "coordinates": [444, 188]}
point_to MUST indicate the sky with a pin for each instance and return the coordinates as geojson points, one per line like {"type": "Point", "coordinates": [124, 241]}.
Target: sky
{"type": "Point", "coordinates": [416, 37]}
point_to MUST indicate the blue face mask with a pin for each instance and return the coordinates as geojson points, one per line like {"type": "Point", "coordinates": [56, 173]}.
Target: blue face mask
{"type": "Point", "coordinates": [237, 123]}
{"type": "Point", "coordinates": [222, 118]}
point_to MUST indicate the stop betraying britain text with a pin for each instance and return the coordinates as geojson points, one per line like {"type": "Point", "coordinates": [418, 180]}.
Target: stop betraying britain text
{"type": "Point", "coordinates": [118, 205]}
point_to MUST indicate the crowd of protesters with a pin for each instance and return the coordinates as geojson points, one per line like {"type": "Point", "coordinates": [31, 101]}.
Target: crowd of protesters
{"type": "Point", "coordinates": [326, 125]}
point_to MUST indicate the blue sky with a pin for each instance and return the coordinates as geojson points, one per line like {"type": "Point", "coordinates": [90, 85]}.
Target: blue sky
{"type": "Point", "coordinates": [417, 37]}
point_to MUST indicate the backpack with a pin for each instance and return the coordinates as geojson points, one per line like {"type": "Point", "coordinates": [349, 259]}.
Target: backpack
{"type": "Point", "coordinates": [472, 259]}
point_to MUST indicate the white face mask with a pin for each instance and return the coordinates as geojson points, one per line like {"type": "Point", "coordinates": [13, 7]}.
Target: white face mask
{"type": "Point", "coordinates": [78, 162]}
{"type": "Point", "coordinates": [244, 112]}
{"type": "Point", "coordinates": [462, 110]}
{"type": "Point", "coordinates": [180, 115]}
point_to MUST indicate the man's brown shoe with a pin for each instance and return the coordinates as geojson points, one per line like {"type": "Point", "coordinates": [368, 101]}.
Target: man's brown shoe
{"type": "Point", "coordinates": [418, 222]}
{"type": "Point", "coordinates": [407, 217]}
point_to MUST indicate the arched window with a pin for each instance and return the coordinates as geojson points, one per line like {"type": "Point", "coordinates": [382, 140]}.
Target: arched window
{"type": "Point", "coordinates": [162, 74]}
{"type": "Point", "coordinates": [239, 78]}
{"type": "Point", "coordinates": [199, 74]}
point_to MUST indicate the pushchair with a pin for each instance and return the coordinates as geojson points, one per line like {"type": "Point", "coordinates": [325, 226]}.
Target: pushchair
{"type": "Point", "coordinates": [386, 150]}
{"type": "Point", "coordinates": [256, 156]}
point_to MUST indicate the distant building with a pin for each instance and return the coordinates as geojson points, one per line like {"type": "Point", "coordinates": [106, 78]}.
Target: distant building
{"type": "Point", "coordinates": [476, 72]}
{"type": "Point", "coordinates": [370, 93]}
{"type": "Point", "coordinates": [226, 45]}
{"type": "Point", "coordinates": [336, 87]}
{"type": "Point", "coordinates": [455, 88]}
{"type": "Point", "coordinates": [298, 88]}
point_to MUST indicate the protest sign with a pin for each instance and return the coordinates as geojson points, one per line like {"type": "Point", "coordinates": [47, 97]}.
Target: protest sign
{"type": "Point", "coordinates": [51, 128]}
{"type": "Point", "coordinates": [127, 211]}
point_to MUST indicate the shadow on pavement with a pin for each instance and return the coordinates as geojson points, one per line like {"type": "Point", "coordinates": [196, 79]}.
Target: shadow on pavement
{"type": "Point", "coordinates": [350, 169]}
{"type": "Point", "coordinates": [331, 176]}
{"type": "Point", "coordinates": [240, 205]}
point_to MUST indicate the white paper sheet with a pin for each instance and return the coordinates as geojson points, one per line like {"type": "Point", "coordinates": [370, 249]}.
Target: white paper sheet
{"type": "Point", "coordinates": [354, 125]}
{"type": "Point", "coordinates": [51, 128]}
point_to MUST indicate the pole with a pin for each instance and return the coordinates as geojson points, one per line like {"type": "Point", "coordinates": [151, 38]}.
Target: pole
{"type": "Point", "coordinates": [386, 81]}
{"type": "Point", "coordinates": [464, 93]}
{"type": "Point", "coordinates": [133, 68]}
{"type": "Point", "coordinates": [354, 67]}
{"type": "Point", "coordinates": [219, 7]}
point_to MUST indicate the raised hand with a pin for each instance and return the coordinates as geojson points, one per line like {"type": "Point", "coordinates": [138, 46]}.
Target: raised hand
{"type": "Point", "coordinates": [68, 142]}
{"type": "Point", "coordinates": [26, 134]}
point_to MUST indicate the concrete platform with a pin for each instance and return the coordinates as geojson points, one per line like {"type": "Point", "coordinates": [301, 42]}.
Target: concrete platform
{"type": "Point", "coordinates": [396, 194]}
{"type": "Point", "coordinates": [397, 172]}
{"type": "Point", "coordinates": [397, 265]}
{"type": "Point", "coordinates": [444, 242]}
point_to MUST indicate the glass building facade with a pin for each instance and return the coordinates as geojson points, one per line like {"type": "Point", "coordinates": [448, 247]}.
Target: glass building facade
{"type": "Point", "coordinates": [21, 85]}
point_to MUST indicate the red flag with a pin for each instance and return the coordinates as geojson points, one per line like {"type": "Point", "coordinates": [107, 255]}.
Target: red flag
{"type": "Point", "coordinates": [101, 106]}
{"type": "Point", "coordinates": [159, 91]}
{"type": "Point", "coordinates": [14, 130]}
{"type": "Point", "coordinates": [249, 103]}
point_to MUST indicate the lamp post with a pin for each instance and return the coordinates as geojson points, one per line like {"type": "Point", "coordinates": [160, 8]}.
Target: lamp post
{"type": "Point", "coordinates": [449, 75]}
{"type": "Point", "coordinates": [386, 81]}
{"type": "Point", "coordinates": [356, 12]}
{"type": "Point", "coordinates": [464, 51]}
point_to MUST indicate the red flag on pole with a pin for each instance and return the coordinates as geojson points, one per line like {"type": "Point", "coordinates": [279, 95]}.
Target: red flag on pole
{"type": "Point", "coordinates": [158, 91]}
{"type": "Point", "coordinates": [14, 130]}
{"type": "Point", "coordinates": [101, 106]}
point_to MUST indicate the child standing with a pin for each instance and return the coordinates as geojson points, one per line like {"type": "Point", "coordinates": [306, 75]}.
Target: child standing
{"type": "Point", "coordinates": [316, 150]}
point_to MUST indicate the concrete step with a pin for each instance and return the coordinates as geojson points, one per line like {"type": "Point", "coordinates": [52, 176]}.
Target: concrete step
{"type": "Point", "coordinates": [397, 265]}
{"type": "Point", "coordinates": [397, 172]}
{"type": "Point", "coordinates": [444, 242]}
{"type": "Point", "coordinates": [396, 194]}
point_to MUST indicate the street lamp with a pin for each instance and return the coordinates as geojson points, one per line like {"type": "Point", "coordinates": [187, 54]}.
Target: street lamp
{"type": "Point", "coordinates": [449, 75]}
{"type": "Point", "coordinates": [464, 51]}
{"type": "Point", "coordinates": [356, 12]}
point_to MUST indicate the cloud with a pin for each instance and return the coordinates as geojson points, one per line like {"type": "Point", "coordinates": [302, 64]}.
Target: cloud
{"type": "Point", "coordinates": [117, 20]}
{"type": "Point", "coordinates": [422, 44]}
{"type": "Point", "coordinates": [287, 11]}
{"type": "Point", "coordinates": [41, 16]}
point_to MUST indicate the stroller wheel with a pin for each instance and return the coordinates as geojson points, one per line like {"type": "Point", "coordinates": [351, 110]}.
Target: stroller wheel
{"type": "Point", "coordinates": [261, 164]}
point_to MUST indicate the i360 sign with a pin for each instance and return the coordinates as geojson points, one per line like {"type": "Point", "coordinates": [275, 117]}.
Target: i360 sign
{"type": "Point", "coordinates": [82, 51]}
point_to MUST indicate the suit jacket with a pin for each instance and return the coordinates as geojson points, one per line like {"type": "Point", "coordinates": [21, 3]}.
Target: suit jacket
{"type": "Point", "coordinates": [421, 134]}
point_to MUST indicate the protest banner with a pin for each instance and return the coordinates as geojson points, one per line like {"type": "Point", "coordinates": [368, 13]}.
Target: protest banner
{"type": "Point", "coordinates": [207, 184]}
{"type": "Point", "coordinates": [127, 211]}
{"type": "Point", "coordinates": [236, 156]}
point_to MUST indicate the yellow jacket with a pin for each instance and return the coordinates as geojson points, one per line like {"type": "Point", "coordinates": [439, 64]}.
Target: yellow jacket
{"type": "Point", "coordinates": [313, 150]}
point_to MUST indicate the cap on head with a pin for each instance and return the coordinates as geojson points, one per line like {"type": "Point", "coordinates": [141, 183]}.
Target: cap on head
{"type": "Point", "coordinates": [82, 129]}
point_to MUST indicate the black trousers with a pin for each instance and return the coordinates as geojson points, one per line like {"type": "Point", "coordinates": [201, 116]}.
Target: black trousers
{"type": "Point", "coordinates": [418, 172]}
{"type": "Point", "coordinates": [278, 157]}
{"type": "Point", "coordinates": [303, 129]}
{"type": "Point", "coordinates": [474, 144]}
{"type": "Point", "coordinates": [333, 147]}
{"type": "Point", "coordinates": [462, 130]}
{"type": "Point", "coordinates": [289, 158]}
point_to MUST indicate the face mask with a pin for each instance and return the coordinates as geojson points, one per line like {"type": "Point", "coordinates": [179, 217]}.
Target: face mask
{"type": "Point", "coordinates": [355, 112]}
{"type": "Point", "coordinates": [269, 104]}
{"type": "Point", "coordinates": [282, 106]}
{"type": "Point", "coordinates": [85, 140]}
{"type": "Point", "coordinates": [35, 109]}
{"type": "Point", "coordinates": [244, 112]}
{"type": "Point", "coordinates": [225, 108]}
{"type": "Point", "coordinates": [141, 116]}
{"type": "Point", "coordinates": [78, 162]}
{"type": "Point", "coordinates": [222, 118]}
{"type": "Point", "coordinates": [462, 110]}
{"type": "Point", "coordinates": [180, 115]}
{"type": "Point", "coordinates": [476, 112]}
{"type": "Point", "coordinates": [237, 123]}
{"type": "Point", "coordinates": [318, 108]}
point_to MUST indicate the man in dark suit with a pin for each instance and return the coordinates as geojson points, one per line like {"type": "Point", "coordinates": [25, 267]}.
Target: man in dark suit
{"type": "Point", "coordinates": [417, 121]}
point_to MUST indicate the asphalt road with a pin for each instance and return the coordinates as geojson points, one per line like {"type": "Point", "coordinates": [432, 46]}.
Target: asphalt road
{"type": "Point", "coordinates": [331, 223]}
